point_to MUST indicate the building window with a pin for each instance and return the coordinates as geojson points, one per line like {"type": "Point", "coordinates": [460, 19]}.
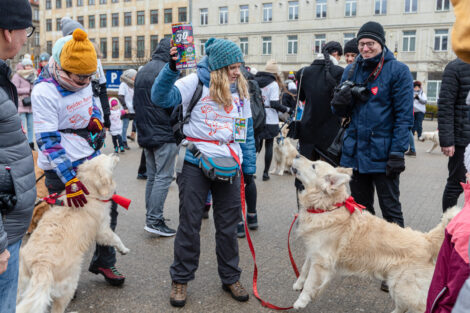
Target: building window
{"type": "Point", "coordinates": [103, 20]}
{"type": "Point", "coordinates": [115, 19]}
{"type": "Point", "coordinates": [127, 18]}
{"type": "Point", "coordinates": [182, 14]}
{"type": "Point", "coordinates": [433, 89]}
{"type": "Point", "coordinates": [48, 25]}
{"type": "Point", "coordinates": [140, 17]}
{"type": "Point", "coordinates": [244, 14]}
{"type": "Point", "coordinates": [80, 20]}
{"type": "Point", "coordinates": [203, 46]}
{"type": "Point", "coordinates": [114, 1]}
{"type": "Point", "coordinates": [380, 7]}
{"type": "Point", "coordinates": [49, 47]}
{"type": "Point", "coordinates": [244, 45]}
{"type": "Point", "coordinates": [267, 43]}
{"type": "Point", "coordinates": [115, 48]}
{"type": "Point", "coordinates": [347, 37]}
{"type": "Point", "coordinates": [91, 21]}
{"type": "Point", "coordinates": [79, 3]}
{"type": "Point", "coordinates": [411, 6]}
{"type": "Point", "coordinates": [153, 42]}
{"type": "Point", "coordinates": [127, 47]}
{"type": "Point", "coordinates": [440, 39]}
{"type": "Point", "coordinates": [91, 2]}
{"type": "Point", "coordinates": [48, 5]}
{"type": "Point", "coordinates": [37, 41]}
{"type": "Point", "coordinates": [57, 24]}
{"type": "Point", "coordinates": [153, 17]}
{"type": "Point", "coordinates": [292, 44]}
{"type": "Point", "coordinates": [320, 41]}
{"type": "Point", "coordinates": [321, 9]}
{"type": "Point", "coordinates": [204, 15]}
{"type": "Point", "coordinates": [267, 12]}
{"type": "Point", "coordinates": [442, 5]}
{"type": "Point", "coordinates": [350, 8]}
{"type": "Point", "coordinates": [58, 4]}
{"type": "Point", "coordinates": [103, 1]}
{"type": "Point", "coordinates": [68, 3]}
{"type": "Point", "coordinates": [293, 10]}
{"type": "Point", "coordinates": [223, 15]}
{"type": "Point", "coordinates": [168, 16]}
{"type": "Point", "coordinates": [104, 47]}
{"type": "Point", "coordinates": [140, 46]}
{"type": "Point", "coordinates": [409, 41]}
{"type": "Point", "coordinates": [36, 14]}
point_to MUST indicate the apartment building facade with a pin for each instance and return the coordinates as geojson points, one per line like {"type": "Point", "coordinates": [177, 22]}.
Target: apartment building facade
{"type": "Point", "coordinates": [127, 31]}
{"type": "Point", "coordinates": [293, 32]}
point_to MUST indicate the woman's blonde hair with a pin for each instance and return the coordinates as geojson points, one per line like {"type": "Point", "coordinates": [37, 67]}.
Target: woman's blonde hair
{"type": "Point", "coordinates": [220, 87]}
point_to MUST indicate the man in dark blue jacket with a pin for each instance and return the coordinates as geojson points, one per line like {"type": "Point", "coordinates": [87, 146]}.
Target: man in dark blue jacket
{"type": "Point", "coordinates": [156, 137]}
{"type": "Point", "coordinates": [381, 109]}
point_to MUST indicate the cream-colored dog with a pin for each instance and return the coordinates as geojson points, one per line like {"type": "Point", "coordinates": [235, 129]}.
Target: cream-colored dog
{"type": "Point", "coordinates": [432, 136]}
{"type": "Point", "coordinates": [342, 243]}
{"type": "Point", "coordinates": [284, 152]}
{"type": "Point", "coordinates": [50, 262]}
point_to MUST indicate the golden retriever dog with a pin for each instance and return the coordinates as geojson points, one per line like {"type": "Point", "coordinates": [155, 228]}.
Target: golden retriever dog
{"type": "Point", "coordinates": [50, 262]}
{"type": "Point", "coordinates": [432, 136]}
{"type": "Point", "coordinates": [41, 207]}
{"type": "Point", "coordinates": [339, 242]}
{"type": "Point", "coordinates": [284, 152]}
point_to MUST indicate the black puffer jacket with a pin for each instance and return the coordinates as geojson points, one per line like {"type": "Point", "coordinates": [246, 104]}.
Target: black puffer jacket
{"type": "Point", "coordinates": [16, 165]}
{"type": "Point", "coordinates": [153, 122]}
{"type": "Point", "coordinates": [453, 113]}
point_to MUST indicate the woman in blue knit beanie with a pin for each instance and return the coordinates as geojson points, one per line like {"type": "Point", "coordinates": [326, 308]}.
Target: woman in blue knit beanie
{"type": "Point", "coordinates": [213, 132]}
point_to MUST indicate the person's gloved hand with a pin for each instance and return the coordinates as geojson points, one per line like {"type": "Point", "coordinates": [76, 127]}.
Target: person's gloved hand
{"type": "Point", "coordinates": [342, 98]}
{"type": "Point", "coordinates": [395, 165]}
{"type": "Point", "coordinates": [173, 58]}
{"type": "Point", "coordinates": [75, 192]}
{"type": "Point", "coordinates": [107, 121]}
{"type": "Point", "coordinates": [95, 125]}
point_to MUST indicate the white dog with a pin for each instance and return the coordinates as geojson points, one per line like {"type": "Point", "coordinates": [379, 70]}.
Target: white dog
{"type": "Point", "coordinates": [284, 152]}
{"type": "Point", "coordinates": [50, 262]}
{"type": "Point", "coordinates": [340, 242]}
{"type": "Point", "coordinates": [432, 136]}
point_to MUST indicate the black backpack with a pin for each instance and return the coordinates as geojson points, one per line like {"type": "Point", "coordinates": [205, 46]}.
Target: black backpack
{"type": "Point", "coordinates": [257, 106]}
{"type": "Point", "coordinates": [177, 120]}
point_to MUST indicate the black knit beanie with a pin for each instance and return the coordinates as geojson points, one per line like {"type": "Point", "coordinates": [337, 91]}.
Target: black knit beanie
{"type": "Point", "coordinates": [372, 30]}
{"type": "Point", "coordinates": [15, 14]}
{"type": "Point", "coordinates": [351, 46]}
{"type": "Point", "coordinates": [331, 47]}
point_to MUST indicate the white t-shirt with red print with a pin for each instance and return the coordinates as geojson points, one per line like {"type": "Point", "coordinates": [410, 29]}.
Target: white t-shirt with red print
{"type": "Point", "coordinates": [53, 112]}
{"type": "Point", "coordinates": [116, 122]}
{"type": "Point", "coordinates": [270, 93]}
{"type": "Point", "coordinates": [210, 120]}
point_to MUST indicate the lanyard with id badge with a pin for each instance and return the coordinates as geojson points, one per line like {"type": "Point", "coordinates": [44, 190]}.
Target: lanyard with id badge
{"type": "Point", "coordinates": [240, 126]}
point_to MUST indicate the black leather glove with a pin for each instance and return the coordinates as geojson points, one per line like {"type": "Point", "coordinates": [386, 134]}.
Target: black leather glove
{"type": "Point", "coordinates": [342, 98]}
{"type": "Point", "coordinates": [107, 122]}
{"type": "Point", "coordinates": [395, 165]}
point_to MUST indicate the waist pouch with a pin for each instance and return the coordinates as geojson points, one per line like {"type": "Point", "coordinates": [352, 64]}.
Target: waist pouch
{"type": "Point", "coordinates": [223, 169]}
{"type": "Point", "coordinates": [95, 141]}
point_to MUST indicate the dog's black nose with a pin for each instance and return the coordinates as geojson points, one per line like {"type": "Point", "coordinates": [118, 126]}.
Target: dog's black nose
{"type": "Point", "coordinates": [294, 170]}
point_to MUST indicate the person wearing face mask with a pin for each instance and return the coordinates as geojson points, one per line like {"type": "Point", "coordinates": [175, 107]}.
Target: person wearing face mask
{"type": "Point", "coordinates": [69, 130]}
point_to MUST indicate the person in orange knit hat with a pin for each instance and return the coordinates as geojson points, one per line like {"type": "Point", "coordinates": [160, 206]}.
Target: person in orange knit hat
{"type": "Point", "coordinates": [64, 107]}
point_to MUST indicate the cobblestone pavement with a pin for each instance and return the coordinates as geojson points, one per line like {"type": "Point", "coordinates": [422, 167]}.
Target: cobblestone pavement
{"type": "Point", "coordinates": [147, 285]}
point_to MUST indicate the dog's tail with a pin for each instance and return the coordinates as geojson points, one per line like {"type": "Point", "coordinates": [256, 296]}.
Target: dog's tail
{"type": "Point", "coordinates": [436, 235]}
{"type": "Point", "coordinates": [36, 298]}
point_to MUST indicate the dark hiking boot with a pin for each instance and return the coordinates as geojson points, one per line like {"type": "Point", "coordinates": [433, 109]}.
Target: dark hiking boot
{"type": "Point", "coordinates": [111, 274]}
{"type": "Point", "coordinates": [252, 220]}
{"type": "Point", "coordinates": [237, 291]}
{"type": "Point", "coordinates": [178, 294]}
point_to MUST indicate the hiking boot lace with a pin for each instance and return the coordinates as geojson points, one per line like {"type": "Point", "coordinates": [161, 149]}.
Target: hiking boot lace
{"type": "Point", "coordinates": [115, 271]}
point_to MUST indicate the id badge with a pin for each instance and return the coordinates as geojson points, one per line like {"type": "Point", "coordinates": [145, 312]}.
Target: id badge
{"type": "Point", "coordinates": [239, 129]}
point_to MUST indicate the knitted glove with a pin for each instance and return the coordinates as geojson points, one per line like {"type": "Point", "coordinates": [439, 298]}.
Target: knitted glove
{"type": "Point", "coordinates": [75, 191]}
{"type": "Point", "coordinates": [395, 165]}
{"type": "Point", "coordinates": [95, 125]}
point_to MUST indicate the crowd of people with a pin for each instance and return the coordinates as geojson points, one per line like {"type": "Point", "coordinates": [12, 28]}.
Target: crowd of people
{"type": "Point", "coordinates": [208, 127]}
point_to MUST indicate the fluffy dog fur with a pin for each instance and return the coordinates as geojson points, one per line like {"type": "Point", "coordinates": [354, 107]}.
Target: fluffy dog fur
{"type": "Point", "coordinates": [340, 243]}
{"type": "Point", "coordinates": [42, 192]}
{"type": "Point", "coordinates": [432, 136]}
{"type": "Point", "coordinates": [50, 262]}
{"type": "Point", "coordinates": [284, 153]}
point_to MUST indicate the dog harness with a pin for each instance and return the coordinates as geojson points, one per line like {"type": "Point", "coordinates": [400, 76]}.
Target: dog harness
{"type": "Point", "coordinates": [349, 203]}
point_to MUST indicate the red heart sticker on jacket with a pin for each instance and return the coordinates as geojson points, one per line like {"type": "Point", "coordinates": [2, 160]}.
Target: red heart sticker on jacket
{"type": "Point", "coordinates": [374, 90]}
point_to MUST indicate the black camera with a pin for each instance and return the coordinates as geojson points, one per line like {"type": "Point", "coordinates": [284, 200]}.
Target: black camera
{"type": "Point", "coordinates": [358, 91]}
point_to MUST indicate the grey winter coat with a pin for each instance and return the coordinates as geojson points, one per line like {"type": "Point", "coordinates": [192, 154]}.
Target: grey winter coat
{"type": "Point", "coordinates": [15, 154]}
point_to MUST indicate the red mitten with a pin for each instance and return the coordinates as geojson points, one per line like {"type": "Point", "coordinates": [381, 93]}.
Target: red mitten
{"type": "Point", "coordinates": [95, 125]}
{"type": "Point", "coordinates": [76, 191]}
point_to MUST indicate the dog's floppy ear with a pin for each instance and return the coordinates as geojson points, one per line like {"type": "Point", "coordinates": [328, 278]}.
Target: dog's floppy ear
{"type": "Point", "coordinates": [334, 181]}
{"type": "Point", "coordinates": [345, 170]}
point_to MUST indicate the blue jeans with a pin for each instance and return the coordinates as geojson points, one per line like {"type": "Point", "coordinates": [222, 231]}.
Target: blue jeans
{"type": "Point", "coordinates": [27, 122]}
{"type": "Point", "coordinates": [412, 142]}
{"type": "Point", "coordinates": [125, 125]}
{"type": "Point", "coordinates": [418, 123]}
{"type": "Point", "coordinates": [160, 169]}
{"type": "Point", "coordinates": [9, 280]}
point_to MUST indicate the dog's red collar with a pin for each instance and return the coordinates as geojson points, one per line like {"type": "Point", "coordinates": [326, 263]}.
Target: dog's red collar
{"type": "Point", "coordinates": [349, 203]}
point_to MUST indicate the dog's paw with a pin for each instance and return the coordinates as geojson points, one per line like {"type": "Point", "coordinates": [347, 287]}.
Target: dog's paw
{"type": "Point", "coordinates": [124, 250]}
{"type": "Point", "coordinates": [298, 286]}
{"type": "Point", "coordinates": [301, 302]}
